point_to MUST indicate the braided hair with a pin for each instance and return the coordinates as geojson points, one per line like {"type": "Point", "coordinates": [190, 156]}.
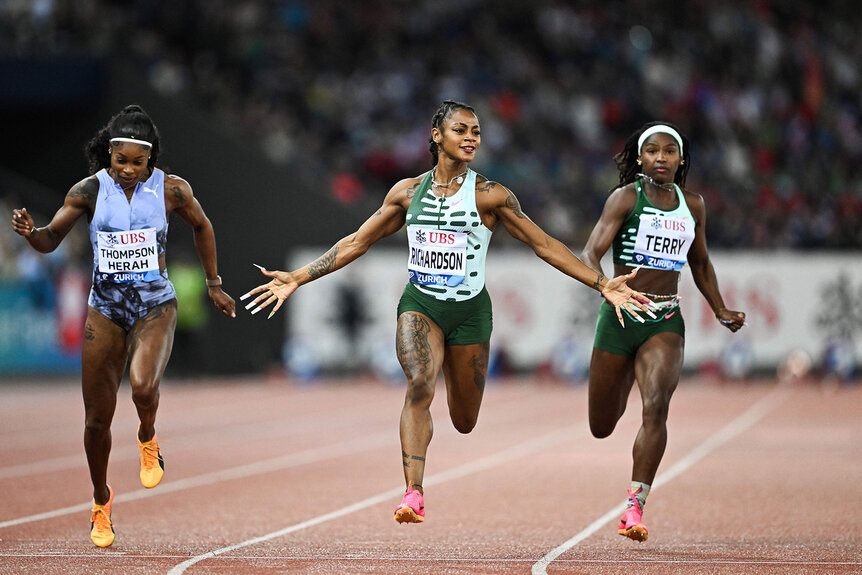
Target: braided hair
{"type": "Point", "coordinates": [444, 111]}
{"type": "Point", "coordinates": [131, 122]}
{"type": "Point", "coordinates": [627, 164]}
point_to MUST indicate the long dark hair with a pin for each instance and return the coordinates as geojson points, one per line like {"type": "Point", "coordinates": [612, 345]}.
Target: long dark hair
{"type": "Point", "coordinates": [627, 160]}
{"type": "Point", "coordinates": [131, 122]}
{"type": "Point", "coordinates": [444, 111]}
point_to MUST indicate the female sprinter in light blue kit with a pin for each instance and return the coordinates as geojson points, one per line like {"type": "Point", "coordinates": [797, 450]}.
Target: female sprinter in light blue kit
{"type": "Point", "coordinates": [132, 309]}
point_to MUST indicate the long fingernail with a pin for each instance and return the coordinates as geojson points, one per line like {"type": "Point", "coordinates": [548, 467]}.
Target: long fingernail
{"type": "Point", "coordinates": [255, 311]}
{"type": "Point", "coordinates": [651, 314]}
{"type": "Point", "coordinates": [259, 267]}
{"type": "Point", "coordinates": [250, 305]}
{"type": "Point", "coordinates": [245, 296]}
{"type": "Point", "coordinates": [272, 313]}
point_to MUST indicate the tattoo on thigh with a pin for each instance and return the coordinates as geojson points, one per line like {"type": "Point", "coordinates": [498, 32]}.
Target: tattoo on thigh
{"type": "Point", "coordinates": [406, 457]}
{"type": "Point", "coordinates": [89, 332]}
{"type": "Point", "coordinates": [479, 363]}
{"type": "Point", "coordinates": [412, 347]}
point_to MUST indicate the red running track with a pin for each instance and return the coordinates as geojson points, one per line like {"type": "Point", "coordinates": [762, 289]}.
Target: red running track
{"type": "Point", "coordinates": [270, 476]}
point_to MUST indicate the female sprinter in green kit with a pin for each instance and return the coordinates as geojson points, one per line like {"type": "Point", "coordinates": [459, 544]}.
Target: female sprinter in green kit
{"type": "Point", "coordinates": [656, 224]}
{"type": "Point", "coordinates": [444, 316]}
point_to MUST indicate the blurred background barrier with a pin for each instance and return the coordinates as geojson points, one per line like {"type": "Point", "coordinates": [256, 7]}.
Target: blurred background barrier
{"type": "Point", "coordinates": [794, 303]}
{"type": "Point", "coordinates": [292, 118]}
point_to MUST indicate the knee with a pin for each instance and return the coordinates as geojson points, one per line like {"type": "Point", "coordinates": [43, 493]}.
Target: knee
{"type": "Point", "coordinates": [464, 423]}
{"type": "Point", "coordinates": [95, 423]}
{"type": "Point", "coordinates": [655, 409]}
{"type": "Point", "coordinates": [420, 392]}
{"type": "Point", "coordinates": [603, 423]}
{"type": "Point", "coordinates": [602, 429]}
{"type": "Point", "coordinates": [145, 394]}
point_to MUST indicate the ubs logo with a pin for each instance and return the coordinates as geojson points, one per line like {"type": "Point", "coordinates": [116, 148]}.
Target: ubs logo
{"type": "Point", "coordinates": [112, 239]}
{"type": "Point", "coordinates": [655, 223]}
{"type": "Point", "coordinates": [420, 237]}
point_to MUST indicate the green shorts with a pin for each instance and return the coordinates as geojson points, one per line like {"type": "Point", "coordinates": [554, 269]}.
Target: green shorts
{"type": "Point", "coordinates": [611, 337]}
{"type": "Point", "coordinates": [462, 322]}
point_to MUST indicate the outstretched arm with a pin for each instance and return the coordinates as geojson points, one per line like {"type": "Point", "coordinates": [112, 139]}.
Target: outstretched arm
{"type": "Point", "coordinates": [179, 198]}
{"type": "Point", "coordinates": [508, 210]}
{"type": "Point", "coordinates": [384, 222]}
{"type": "Point", "coordinates": [703, 272]}
{"type": "Point", "coordinates": [79, 201]}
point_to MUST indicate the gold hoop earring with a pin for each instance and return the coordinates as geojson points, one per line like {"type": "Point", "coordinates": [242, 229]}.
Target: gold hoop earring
{"type": "Point", "coordinates": [639, 162]}
{"type": "Point", "coordinates": [681, 162]}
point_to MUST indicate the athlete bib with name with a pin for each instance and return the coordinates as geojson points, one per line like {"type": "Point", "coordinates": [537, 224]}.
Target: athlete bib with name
{"type": "Point", "coordinates": [447, 242]}
{"type": "Point", "coordinates": [436, 257]}
{"type": "Point", "coordinates": [130, 256]}
{"type": "Point", "coordinates": [662, 241]}
{"type": "Point", "coordinates": [655, 238]}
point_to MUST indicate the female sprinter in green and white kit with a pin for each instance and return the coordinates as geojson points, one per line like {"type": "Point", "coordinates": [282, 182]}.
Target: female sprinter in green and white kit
{"type": "Point", "coordinates": [444, 316]}
{"type": "Point", "coordinates": [653, 223]}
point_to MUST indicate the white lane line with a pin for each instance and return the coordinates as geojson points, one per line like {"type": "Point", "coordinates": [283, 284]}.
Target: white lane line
{"type": "Point", "coordinates": [439, 559]}
{"type": "Point", "coordinates": [311, 455]}
{"type": "Point", "coordinates": [739, 425]}
{"type": "Point", "coordinates": [541, 442]}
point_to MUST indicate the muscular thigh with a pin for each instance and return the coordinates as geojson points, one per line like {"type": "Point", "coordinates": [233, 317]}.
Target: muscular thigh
{"type": "Point", "coordinates": [465, 369]}
{"type": "Point", "coordinates": [610, 381]}
{"type": "Point", "coordinates": [103, 357]}
{"type": "Point", "coordinates": [419, 345]}
{"type": "Point", "coordinates": [151, 340]}
{"type": "Point", "coordinates": [658, 365]}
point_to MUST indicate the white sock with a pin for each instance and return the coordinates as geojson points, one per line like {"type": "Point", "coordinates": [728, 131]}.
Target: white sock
{"type": "Point", "coordinates": [639, 491]}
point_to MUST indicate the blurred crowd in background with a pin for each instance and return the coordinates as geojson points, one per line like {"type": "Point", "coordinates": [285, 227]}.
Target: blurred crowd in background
{"type": "Point", "coordinates": [770, 93]}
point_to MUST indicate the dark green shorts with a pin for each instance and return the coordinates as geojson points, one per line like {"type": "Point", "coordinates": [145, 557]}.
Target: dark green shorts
{"type": "Point", "coordinates": [462, 322]}
{"type": "Point", "coordinates": [611, 337]}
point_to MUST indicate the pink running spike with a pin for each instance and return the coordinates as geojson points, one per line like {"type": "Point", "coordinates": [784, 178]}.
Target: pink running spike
{"type": "Point", "coordinates": [412, 508]}
{"type": "Point", "coordinates": [631, 524]}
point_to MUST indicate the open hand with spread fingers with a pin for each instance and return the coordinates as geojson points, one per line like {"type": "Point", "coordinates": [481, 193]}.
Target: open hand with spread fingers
{"type": "Point", "coordinates": [622, 296]}
{"type": "Point", "coordinates": [277, 290]}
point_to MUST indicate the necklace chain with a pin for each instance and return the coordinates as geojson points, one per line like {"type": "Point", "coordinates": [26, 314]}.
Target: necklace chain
{"type": "Point", "coordinates": [668, 186]}
{"type": "Point", "coordinates": [435, 184]}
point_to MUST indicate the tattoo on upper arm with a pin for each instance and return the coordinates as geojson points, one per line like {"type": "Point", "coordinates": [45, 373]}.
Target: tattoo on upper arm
{"type": "Point", "coordinates": [484, 186]}
{"type": "Point", "coordinates": [411, 191]}
{"type": "Point", "coordinates": [598, 282]}
{"type": "Point", "coordinates": [513, 204]}
{"type": "Point", "coordinates": [324, 264]}
{"type": "Point", "coordinates": [378, 213]}
{"type": "Point", "coordinates": [179, 195]}
{"type": "Point", "coordinates": [85, 190]}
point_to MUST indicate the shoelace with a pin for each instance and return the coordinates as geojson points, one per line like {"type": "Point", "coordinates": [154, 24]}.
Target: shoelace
{"type": "Point", "coordinates": [100, 512]}
{"type": "Point", "coordinates": [151, 454]}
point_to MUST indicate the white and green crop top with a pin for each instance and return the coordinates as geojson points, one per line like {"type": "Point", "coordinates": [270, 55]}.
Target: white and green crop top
{"type": "Point", "coordinates": [654, 238]}
{"type": "Point", "coordinates": [447, 242]}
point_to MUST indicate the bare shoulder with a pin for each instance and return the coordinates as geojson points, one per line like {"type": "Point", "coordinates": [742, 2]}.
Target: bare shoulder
{"type": "Point", "coordinates": [178, 192]}
{"type": "Point", "coordinates": [695, 202]}
{"type": "Point", "coordinates": [85, 192]}
{"type": "Point", "coordinates": [491, 193]}
{"type": "Point", "coordinates": [402, 192]}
